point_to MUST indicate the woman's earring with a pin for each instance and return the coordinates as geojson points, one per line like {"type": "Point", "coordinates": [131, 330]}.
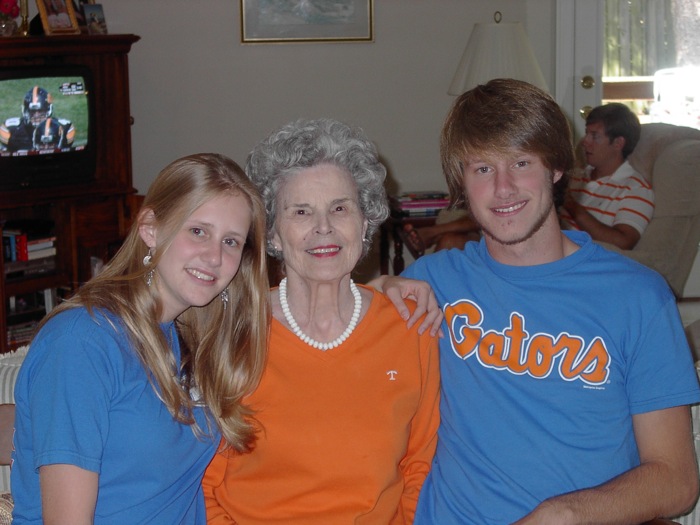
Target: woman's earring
{"type": "Point", "coordinates": [146, 262]}
{"type": "Point", "coordinates": [224, 297]}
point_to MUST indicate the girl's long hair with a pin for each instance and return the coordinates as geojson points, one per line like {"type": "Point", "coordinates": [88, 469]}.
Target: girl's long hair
{"type": "Point", "coordinates": [223, 348]}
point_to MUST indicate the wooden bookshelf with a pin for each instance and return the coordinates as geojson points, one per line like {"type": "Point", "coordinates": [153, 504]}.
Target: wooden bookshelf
{"type": "Point", "coordinates": [90, 220]}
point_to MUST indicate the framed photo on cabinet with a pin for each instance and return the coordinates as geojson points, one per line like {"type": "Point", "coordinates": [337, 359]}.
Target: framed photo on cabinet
{"type": "Point", "coordinates": [95, 19]}
{"type": "Point", "coordinates": [281, 21]}
{"type": "Point", "coordinates": [58, 17]}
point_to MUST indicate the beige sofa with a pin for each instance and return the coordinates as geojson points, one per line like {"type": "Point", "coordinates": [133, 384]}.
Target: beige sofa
{"type": "Point", "coordinates": [669, 156]}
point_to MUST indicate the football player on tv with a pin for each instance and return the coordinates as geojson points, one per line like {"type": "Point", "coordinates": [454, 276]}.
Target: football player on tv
{"type": "Point", "coordinates": [50, 135]}
{"type": "Point", "coordinates": [17, 133]}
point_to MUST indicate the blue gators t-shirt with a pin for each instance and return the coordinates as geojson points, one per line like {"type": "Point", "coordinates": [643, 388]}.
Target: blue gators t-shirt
{"type": "Point", "coordinates": [84, 399]}
{"type": "Point", "coordinates": [542, 368]}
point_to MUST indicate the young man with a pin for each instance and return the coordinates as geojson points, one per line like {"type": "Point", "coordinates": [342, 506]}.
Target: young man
{"type": "Point", "coordinates": [566, 374]}
{"type": "Point", "coordinates": [610, 200]}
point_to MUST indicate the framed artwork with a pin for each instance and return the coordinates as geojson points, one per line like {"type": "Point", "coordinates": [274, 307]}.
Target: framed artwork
{"type": "Point", "coordinates": [58, 17]}
{"type": "Point", "coordinates": [95, 19]}
{"type": "Point", "coordinates": [277, 21]}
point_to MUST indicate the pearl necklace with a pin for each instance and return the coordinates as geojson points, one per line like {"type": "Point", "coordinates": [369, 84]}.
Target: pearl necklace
{"type": "Point", "coordinates": [308, 340]}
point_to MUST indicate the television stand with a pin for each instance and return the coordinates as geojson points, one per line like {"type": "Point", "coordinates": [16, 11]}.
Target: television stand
{"type": "Point", "coordinates": [90, 220]}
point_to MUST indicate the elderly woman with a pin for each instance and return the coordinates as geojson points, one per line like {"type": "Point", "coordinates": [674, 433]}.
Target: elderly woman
{"type": "Point", "coordinates": [348, 403]}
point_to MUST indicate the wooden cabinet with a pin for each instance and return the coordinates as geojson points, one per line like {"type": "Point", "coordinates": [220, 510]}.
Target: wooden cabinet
{"type": "Point", "coordinates": [90, 219]}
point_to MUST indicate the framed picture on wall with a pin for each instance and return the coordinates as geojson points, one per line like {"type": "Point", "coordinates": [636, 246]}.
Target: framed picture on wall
{"type": "Point", "coordinates": [277, 21]}
{"type": "Point", "coordinates": [58, 17]}
{"type": "Point", "coordinates": [95, 19]}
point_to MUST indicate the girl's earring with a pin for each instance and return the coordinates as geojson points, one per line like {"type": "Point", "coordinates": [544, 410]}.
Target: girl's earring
{"type": "Point", "coordinates": [224, 298]}
{"type": "Point", "coordinates": [146, 262]}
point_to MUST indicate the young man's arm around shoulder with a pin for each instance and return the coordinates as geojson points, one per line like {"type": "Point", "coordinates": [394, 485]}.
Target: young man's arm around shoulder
{"type": "Point", "coordinates": [664, 484]}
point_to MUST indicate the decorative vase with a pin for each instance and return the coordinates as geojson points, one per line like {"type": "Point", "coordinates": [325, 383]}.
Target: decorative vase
{"type": "Point", "coordinates": [8, 27]}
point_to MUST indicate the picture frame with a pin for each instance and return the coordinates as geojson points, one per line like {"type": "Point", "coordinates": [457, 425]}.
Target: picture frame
{"type": "Point", "coordinates": [58, 17]}
{"type": "Point", "coordinates": [287, 21]}
{"type": "Point", "coordinates": [95, 19]}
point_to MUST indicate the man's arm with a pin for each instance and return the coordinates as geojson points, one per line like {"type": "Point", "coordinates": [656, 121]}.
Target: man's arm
{"type": "Point", "coordinates": [623, 236]}
{"type": "Point", "coordinates": [664, 484]}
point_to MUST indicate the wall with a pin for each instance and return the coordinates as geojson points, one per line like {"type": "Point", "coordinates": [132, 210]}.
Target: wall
{"type": "Point", "coordinates": [195, 87]}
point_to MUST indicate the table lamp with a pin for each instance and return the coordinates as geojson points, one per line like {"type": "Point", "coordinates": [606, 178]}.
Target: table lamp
{"type": "Point", "coordinates": [496, 50]}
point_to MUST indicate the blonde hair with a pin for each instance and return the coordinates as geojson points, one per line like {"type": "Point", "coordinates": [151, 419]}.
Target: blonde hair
{"type": "Point", "coordinates": [223, 348]}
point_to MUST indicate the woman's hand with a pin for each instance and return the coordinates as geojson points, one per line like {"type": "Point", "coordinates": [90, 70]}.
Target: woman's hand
{"type": "Point", "coordinates": [397, 289]}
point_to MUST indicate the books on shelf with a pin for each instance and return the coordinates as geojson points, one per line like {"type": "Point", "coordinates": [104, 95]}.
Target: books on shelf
{"type": "Point", "coordinates": [39, 254]}
{"type": "Point", "coordinates": [31, 268]}
{"type": "Point", "coordinates": [40, 243]}
{"type": "Point", "coordinates": [21, 334]}
{"type": "Point", "coordinates": [28, 240]}
{"type": "Point", "coordinates": [25, 311]}
{"type": "Point", "coordinates": [419, 203]}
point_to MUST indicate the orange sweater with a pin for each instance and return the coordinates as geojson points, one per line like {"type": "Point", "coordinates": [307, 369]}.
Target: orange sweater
{"type": "Point", "coordinates": [348, 434]}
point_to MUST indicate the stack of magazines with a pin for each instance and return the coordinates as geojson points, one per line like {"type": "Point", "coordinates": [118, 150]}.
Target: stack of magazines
{"type": "Point", "coordinates": [419, 203]}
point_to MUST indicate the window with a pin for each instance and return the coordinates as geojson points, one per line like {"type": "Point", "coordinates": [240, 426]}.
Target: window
{"type": "Point", "coordinates": [652, 58]}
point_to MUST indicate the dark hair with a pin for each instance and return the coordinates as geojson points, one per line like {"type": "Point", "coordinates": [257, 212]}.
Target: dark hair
{"type": "Point", "coordinates": [618, 121]}
{"type": "Point", "coordinates": [499, 116]}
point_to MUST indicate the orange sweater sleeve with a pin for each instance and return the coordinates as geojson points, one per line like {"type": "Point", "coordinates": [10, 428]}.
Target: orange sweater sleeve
{"type": "Point", "coordinates": [422, 440]}
{"type": "Point", "coordinates": [213, 478]}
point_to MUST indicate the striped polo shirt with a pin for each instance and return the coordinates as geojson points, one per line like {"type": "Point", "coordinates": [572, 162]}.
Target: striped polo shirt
{"type": "Point", "coordinates": [625, 197]}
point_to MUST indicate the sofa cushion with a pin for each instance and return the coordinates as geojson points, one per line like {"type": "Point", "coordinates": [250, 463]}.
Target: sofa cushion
{"type": "Point", "coordinates": [676, 179]}
{"type": "Point", "coordinates": [10, 364]}
{"type": "Point", "coordinates": [6, 505]}
{"type": "Point", "coordinates": [9, 368]}
{"type": "Point", "coordinates": [654, 139]}
{"type": "Point", "coordinates": [7, 425]}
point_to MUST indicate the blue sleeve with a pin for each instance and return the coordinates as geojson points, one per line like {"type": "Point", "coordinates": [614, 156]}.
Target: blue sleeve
{"type": "Point", "coordinates": [660, 369]}
{"type": "Point", "coordinates": [69, 384]}
{"type": "Point", "coordinates": [413, 271]}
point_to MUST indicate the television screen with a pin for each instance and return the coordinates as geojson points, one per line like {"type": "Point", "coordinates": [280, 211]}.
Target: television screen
{"type": "Point", "coordinates": [45, 127]}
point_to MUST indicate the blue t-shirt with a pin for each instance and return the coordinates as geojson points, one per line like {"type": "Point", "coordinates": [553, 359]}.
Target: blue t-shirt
{"type": "Point", "coordinates": [83, 398]}
{"type": "Point", "coordinates": [542, 368]}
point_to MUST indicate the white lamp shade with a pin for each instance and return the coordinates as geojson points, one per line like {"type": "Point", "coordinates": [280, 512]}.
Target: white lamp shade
{"type": "Point", "coordinates": [497, 50]}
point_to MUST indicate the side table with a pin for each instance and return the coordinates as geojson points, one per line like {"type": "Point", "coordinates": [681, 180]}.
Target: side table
{"type": "Point", "coordinates": [391, 229]}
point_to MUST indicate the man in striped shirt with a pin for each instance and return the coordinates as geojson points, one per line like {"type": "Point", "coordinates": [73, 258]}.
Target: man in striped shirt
{"type": "Point", "coordinates": [609, 199]}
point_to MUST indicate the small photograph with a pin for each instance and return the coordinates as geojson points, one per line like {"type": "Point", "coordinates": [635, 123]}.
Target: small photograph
{"type": "Point", "coordinates": [79, 15]}
{"type": "Point", "coordinates": [95, 19]}
{"type": "Point", "coordinates": [57, 17]}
